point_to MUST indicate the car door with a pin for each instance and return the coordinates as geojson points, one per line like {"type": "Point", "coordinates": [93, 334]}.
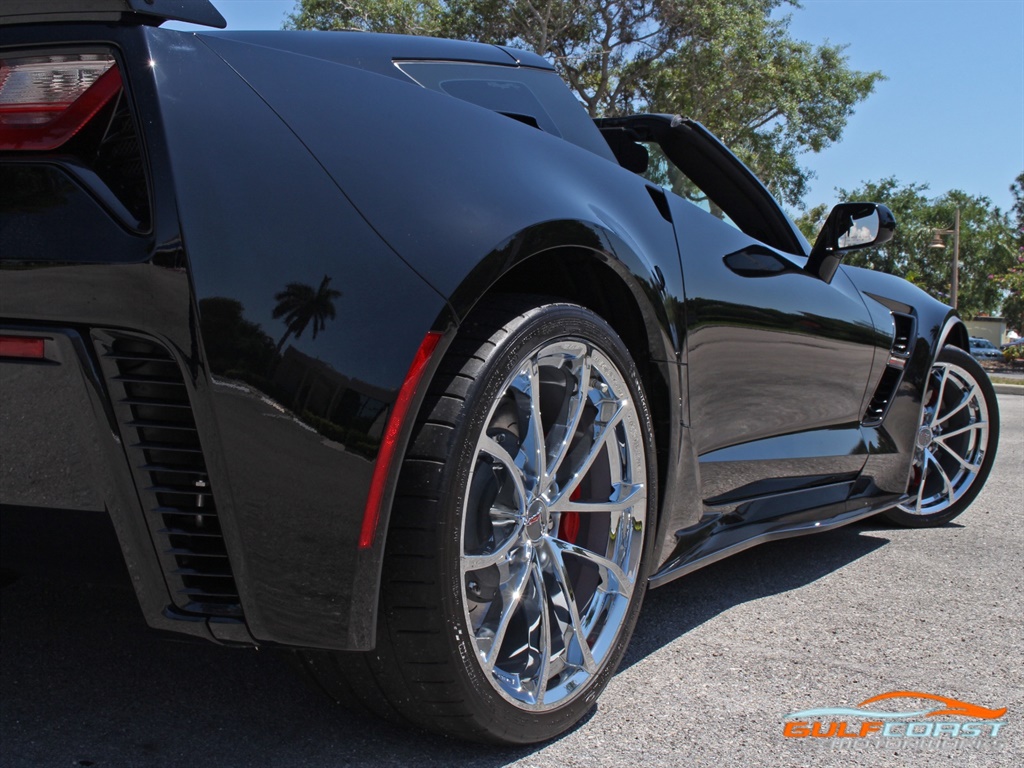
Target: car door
{"type": "Point", "coordinates": [778, 361]}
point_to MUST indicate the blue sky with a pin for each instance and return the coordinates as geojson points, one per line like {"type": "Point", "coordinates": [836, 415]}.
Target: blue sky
{"type": "Point", "coordinates": [951, 114]}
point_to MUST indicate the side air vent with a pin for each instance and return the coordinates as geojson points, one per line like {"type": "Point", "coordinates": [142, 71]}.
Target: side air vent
{"type": "Point", "coordinates": [883, 396]}
{"type": "Point", "coordinates": [899, 353]}
{"type": "Point", "coordinates": [161, 441]}
{"type": "Point", "coordinates": [903, 334]}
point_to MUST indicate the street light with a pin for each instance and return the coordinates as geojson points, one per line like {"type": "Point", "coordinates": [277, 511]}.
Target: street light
{"type": "Point", "coordinates": [938, 242]}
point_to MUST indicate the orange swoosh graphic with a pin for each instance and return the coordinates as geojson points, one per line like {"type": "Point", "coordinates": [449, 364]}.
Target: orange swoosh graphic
{"type": "Point", "coordinates": [954, 706]}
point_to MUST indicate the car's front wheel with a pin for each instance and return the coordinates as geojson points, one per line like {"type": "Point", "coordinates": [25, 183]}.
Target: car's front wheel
{"type": "Point", "coordinates": [955, 444]}
{"type": "Point", "coordinates": [516, 556]}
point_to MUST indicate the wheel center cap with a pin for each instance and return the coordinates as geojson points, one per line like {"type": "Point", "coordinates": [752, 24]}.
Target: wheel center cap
{"type": "Point", "coordinates": [924, 437]}
{"type": "Point", "coordinates": [536, 520]}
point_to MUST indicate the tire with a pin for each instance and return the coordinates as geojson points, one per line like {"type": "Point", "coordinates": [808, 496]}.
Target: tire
{"type": "Point", "coordinates": [955, 444]}
{"type": "Point", "coordinates": [516, 558]}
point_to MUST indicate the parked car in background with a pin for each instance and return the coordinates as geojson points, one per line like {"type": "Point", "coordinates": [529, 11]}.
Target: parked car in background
{"type": "Point", "coordinates": [983, 349]}
{"type": "Point", "coordinates": [387, 355]}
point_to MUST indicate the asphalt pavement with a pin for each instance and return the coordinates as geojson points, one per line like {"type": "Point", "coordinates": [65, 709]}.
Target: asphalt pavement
{"type": "Point", "coordinates": [719, 659]}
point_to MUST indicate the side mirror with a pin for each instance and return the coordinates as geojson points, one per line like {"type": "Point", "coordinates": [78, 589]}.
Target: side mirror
{"type": "Point", "coordinates": [849, 227]}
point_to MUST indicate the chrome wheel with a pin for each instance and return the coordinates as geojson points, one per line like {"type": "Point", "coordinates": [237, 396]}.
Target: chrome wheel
{"type": "Point", "coordinates": [554, 517]}
{"type": "Point", "coordinates": [955, 439]}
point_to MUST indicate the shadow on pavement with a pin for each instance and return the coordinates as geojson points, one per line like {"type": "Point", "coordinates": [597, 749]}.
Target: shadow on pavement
{"type": "Point", "coordinates": [86, 683]}
{"type": "Point", "coordinates": [768, 569]}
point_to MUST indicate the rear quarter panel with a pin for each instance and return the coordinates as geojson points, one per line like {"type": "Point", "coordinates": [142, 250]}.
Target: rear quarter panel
{"type": "Point", "coordinates": [257, 213]}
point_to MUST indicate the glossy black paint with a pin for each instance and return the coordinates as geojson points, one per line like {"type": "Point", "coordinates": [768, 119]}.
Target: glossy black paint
{"type": "Point", "coordinates": [298, 422]}
{"type": "Point", "coordinates": [598, 218]}
{"type": "Point", "coordinates": [283, 166]}
{"type": "Point", "coordinates": [378, 53]}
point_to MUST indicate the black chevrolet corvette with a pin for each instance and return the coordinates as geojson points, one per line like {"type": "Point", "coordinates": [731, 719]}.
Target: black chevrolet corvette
{"type": "Point", "coordinates": [382, 352]}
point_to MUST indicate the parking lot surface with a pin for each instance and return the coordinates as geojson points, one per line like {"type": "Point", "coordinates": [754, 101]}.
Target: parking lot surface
{"type": "Point", "coordinates": [719, 658]}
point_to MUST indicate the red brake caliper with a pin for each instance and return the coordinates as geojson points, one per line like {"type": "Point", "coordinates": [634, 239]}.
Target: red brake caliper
{"type": "Point", "coordinates": [915, 479]}
{"type": "Point", "coordinates": [569, 525]}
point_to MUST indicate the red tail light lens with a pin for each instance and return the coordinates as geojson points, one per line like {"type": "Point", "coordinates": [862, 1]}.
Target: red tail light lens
{"type": "Point", "coordinates": [45, 100]}
{"type": "Point", "coordinates": [23, 347]}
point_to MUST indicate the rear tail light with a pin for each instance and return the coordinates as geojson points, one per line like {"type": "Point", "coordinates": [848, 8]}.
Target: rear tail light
{"type": "Point", "coordinates": [23, 347]}
{"type": "Point", "coordinates": [45, 100]}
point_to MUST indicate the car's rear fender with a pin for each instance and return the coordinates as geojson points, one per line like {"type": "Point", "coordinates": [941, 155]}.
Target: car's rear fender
{"type": "Point", "coordinates": [296, 413]}
{"type": "Point", "coordinates": [473, 198]}
{"type": "Point", "coordinates": [449, 184]}
{"type": "Point", "coordinates": [289, 425]}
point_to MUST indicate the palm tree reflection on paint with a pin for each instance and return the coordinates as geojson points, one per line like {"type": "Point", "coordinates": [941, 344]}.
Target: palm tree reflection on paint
{"type": "Point", "coordinates": [299, 304]}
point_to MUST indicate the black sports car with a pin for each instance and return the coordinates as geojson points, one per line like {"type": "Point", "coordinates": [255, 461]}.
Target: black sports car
{"type": "Point", "coordinates": [379, 350]}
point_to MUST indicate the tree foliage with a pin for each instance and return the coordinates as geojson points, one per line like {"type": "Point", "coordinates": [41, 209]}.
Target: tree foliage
{"type": "Point", "coordinates": [732, 64]}
{"type": "Point", "coordinates": [986, 242]}
{"type": "Point", "coordinates": [1012, 281]}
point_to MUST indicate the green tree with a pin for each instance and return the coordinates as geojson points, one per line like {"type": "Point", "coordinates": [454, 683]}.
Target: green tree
{"type": "Point", "coordinates": [986, 237]}
{"type": "Point", "coordinates": [1012, 281]}
{"type": "Point", "coordinates": [732, 65]}
{"type": "Point", "coordinates": [300, 304]}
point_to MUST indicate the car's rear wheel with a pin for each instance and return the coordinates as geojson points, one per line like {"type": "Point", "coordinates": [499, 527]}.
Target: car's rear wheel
{"type": "Point", "coordinates": [955, 444]}
{"type": "Point", "coordinates": [516, 556]}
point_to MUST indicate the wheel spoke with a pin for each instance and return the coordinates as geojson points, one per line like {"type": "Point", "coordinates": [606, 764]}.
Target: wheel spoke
{"type": "Point", "coordinates": [605, 431]}
{"type": "Point", "coordinates": [493, 448]}
{"type": "Point", "coordinates": [511, 597]}
{"type": "Point", "coordinates": [938, 400]}
{"type": "Point", "coordinates": [573, 422]}
{"type": "Point", "coordinates": [476, 562]}
{"type": "Point", "coordinates": [533, 449]}
{"type": "Point", "coordinates": [559, 572]}
{"type": "Point", "coordinates": [964, 401]}
{"type": "Point", "coordinates": [623, 586]}
{"type": "Point", "coordinates": [920, 486]}
{"type": "Point", "coordinates": [963, 462]}
{"type": "Point", "coordinates": [624, 496]}
{"type": "Point", "coordinates": [947, 485]}
{"type": "Point", "coordinates": [946, 435]}
{"type": "Point", "coordinates": [545, 635]}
